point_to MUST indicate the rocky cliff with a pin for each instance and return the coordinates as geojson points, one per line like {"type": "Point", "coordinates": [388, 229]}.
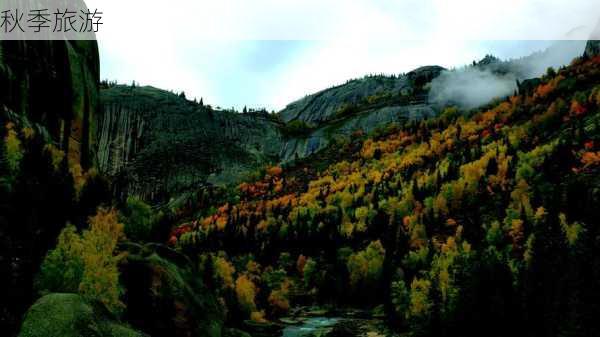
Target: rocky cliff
{"type": "Point", "coordinates": [54, 86]}
{"type": "Point", "coordinates": [155, 143]}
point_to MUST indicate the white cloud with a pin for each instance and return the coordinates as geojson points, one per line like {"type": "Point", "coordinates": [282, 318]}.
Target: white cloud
{"type": "Point", "coordinates": [335, 19]}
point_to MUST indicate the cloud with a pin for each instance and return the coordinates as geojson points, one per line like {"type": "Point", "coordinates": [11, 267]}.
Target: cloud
{"type": "Point", "coordinates": [343, 19]}
{"type": "Point", "coordinates": [473, 86]}
{"type": "Point", "coordinates": [237, 53]}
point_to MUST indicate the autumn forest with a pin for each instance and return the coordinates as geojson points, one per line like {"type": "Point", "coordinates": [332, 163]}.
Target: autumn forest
{"type": "Point", "coordinates": [467, 222]}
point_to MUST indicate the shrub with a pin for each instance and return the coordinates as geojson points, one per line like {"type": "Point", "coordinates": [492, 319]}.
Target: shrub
{"type": "Point", "coordinates": [279, 298]}
{"type": "Point", "coordinates": [285, 261]}
{"type": "Point", "coordinates": [14, 151]}
{"type": "Point", "coordinates": [223, 271]}
{"type": "Point", "coordinates": [245, 291]}
{"type": "Point", "coordinates": [296, 128]}
{"type": "Point", "coordinates": [365, 267]}
{"type": "Point", "coordinates": [62, 269]}
{"type": "Point", "coordinates": [310, 273]}
{"type": "Point", "coordinates": [139, 219]}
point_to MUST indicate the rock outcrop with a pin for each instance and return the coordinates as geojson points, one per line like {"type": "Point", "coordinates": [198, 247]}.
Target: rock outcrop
{"type": "Point", "coordinates": [592, 48]}
{"type": "Point", "coordinates": [363, 104]}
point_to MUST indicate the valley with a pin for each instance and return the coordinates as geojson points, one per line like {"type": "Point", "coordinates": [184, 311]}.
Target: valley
{"type": "Point", "coordinates": [390, 205]}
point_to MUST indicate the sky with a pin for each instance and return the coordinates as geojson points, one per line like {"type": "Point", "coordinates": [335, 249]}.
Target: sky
{"type": "Point", "coordinates": [268, 53]}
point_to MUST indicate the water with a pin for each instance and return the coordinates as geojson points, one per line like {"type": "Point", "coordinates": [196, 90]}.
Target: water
{"type": "Point", "coordinates": [309, 326]}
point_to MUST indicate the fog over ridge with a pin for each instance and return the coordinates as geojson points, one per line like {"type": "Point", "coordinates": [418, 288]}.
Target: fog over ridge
{"type": "Point", "coordinates": [477, 84]}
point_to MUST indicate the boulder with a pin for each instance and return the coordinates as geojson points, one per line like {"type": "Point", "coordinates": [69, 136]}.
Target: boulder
{"type": "Point", "coordinates": [69, 315]}
{"type": "Point", "coordinates": [157, 145]}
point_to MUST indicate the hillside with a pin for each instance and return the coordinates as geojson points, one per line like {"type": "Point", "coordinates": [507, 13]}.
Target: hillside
{"type": "Point", "coordinates": [157, 145]}
{"type": "Point", "coordinates": [472, 221]}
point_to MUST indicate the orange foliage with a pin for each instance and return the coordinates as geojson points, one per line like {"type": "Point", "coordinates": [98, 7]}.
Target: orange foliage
{"type": "Point", "coordinates": [300, 263]}
{"type": "Point", "coordinates": [589, 159]}
{"type": "Point", "coordinates": [543, 90]}
{"type": "Point", "coordinates": [274, 171]}
{"type": "Point", "coordinates": [577, 109]}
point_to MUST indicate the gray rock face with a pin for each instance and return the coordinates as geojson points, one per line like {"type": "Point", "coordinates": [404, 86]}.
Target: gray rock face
{"type": "Point", "coordinates": [324, 105]}
{"type": "Point", "coordinates": [593, 45]}
{"type": "Point", "coordinates": [156, 143]}
{"type": "Point", "coordinates": [366, 121]}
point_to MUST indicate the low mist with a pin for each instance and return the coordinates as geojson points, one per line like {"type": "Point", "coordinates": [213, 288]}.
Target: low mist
{"type": "Point", "coordinates": [476, 85]}
{"type": "Point", "coordinates": [470, 87]}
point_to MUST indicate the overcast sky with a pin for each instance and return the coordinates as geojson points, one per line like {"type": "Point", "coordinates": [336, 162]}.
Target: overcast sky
{"type": "Point", "coordinates": [267, 53]}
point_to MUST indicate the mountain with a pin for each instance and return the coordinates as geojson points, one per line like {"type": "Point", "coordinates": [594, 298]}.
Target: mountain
{"type": "Point", "coordinates": [156, 144]}
{"type": "Point", "coordinates": [592, 47]}
{"type": "Point", "coordinates": [361, 104]}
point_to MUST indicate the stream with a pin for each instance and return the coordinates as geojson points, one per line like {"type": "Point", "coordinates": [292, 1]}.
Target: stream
{"type": "Point", "coordinates": [316, 322]}
{"type": "Point", "coordinates": [310, 327]}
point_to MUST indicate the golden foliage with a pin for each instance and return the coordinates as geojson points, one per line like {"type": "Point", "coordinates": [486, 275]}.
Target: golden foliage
{"type": "Point", "coordinates": [420, 303]}
{"type": "Point", "coordinates": [246, 291]}
{"type": "Point", "coordinates": [224, 271]}
{"type": "Point", "coordinates": [572, 231]}
{"type": "Point", "coordinates": [14, 151]}
{"type": "Point", "coordinates": [279, 298]}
